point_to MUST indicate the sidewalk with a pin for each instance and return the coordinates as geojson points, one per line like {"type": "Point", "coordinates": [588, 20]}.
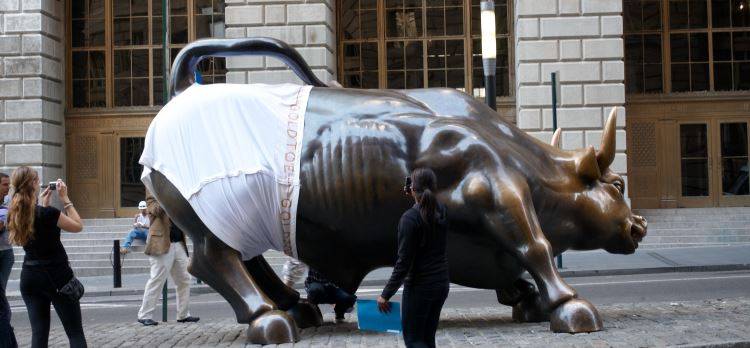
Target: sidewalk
{"type": "Point", "coordinates": [575, 264]}
{"type": "Point", "coordinates": [708, 323]}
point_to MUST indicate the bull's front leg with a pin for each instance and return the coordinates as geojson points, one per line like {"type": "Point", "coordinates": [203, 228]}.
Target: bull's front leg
{"type": "Point", "coordinates": [527, 242]}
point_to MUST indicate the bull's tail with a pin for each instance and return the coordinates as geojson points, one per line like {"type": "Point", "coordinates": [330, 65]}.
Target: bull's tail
{"type": "Point", "coordinates": [186, 62]}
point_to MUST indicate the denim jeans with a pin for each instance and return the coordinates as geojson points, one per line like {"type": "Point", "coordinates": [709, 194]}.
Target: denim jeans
{"type": "Point", "coordinates": [135, 234]}
{"type": "Point", "coordinates": [420, 313]}
{"type": "Point", "coordinates": [39, 286]}
{"type": "Point", "coordinates": [318, 293]}
{"type": "Point", "coordinates": [6, 264]}
{"type": "Point", "coordinates": [7, 337]}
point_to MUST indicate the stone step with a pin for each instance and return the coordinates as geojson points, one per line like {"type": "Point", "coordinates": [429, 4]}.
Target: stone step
{"type": "Point", "coordinates": [666, 225]}
{"type": "Point", "coordinates": [91, 271]}
{"type": "Point", "coordinates": [683, 245]}
{"type": "Point", "coordinates": [694, 211]}
{"type": "Point", "coordinates": [697, 231]}
{"type": "Point", "coordinates": [110, 236]}
{"type": "Point", "coordinates": [76, 242]}
{"type": "Point", "coordinates": [135, 260]}
{"type": "Point", "coordinates": [137, 252]}
{"type": "Point", "coordinates": [108, 222]}
{"type": "Point", "coordinates": [111, 228]}
{"type": "Point", "coordinates": [730, 239]}
{"type": "Point", "coordinates": [698, 219]}
{"type": "Point", "coordinates": [98, 263]}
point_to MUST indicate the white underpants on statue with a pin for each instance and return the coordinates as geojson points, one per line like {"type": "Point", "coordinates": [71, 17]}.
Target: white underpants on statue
{"type": "Point", "coordinates": [175, 263]}
{"type": "Point", "coordinates": [233, 152]}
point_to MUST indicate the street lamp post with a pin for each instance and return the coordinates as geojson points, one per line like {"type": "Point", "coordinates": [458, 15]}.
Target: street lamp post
{"type": "Point", "coordinates": [489, 52]}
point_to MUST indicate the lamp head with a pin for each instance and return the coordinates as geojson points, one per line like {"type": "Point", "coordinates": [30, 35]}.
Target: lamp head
{"type": "Point", "coordinates": [489, 47]}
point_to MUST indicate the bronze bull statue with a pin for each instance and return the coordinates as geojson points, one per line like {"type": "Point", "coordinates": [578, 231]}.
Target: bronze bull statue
{"type": "Point", "coordinates": [513, 201]}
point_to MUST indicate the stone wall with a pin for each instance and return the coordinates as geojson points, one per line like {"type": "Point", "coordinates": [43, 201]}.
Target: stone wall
{"type": "Point", "coordinates": [307, 25]}
{"type": "Point", "coordinates": [31, 88]}
{"type": "Point", "coordinates": [582, 41]}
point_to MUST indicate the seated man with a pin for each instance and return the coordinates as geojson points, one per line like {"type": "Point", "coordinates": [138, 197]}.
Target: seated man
{"type": "Point", "coordinates": [140, 228]}
{"type": "Point", "coordinates": [321, 290]}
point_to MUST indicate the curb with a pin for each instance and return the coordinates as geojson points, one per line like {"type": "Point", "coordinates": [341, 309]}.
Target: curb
{"type": "Point", "coordinates": [732, 344]}
{"type": "Point", "coordinates": [205, 289]}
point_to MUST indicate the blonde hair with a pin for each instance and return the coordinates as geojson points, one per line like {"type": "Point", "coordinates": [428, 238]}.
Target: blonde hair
{"type": "Point", "coordinates": [24, 182]}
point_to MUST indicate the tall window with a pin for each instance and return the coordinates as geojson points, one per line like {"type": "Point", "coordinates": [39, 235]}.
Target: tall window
{"type": "Point", "coordinates": [419, 43]}
{"type": "Point", "coordinates": [643, 58]}
{"type": "Point", "coordinates": [116, 58]}
{"type": "Point", "coordinates": [132, 190]}
{"type": "Point", "coordinates": [708, 45]}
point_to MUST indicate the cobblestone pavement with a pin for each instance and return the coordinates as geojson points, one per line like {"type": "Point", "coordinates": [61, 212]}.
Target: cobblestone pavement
{"type": "Point", "coordinates": [693, 323]}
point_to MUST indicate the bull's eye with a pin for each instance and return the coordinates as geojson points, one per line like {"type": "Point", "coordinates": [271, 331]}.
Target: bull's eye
{"type": "Point", "coordinates": [620, 186]}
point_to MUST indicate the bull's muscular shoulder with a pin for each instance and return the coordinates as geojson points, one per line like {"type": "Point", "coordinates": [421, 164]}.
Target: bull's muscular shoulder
{"type": "Point", "coordinates": [478, 167]}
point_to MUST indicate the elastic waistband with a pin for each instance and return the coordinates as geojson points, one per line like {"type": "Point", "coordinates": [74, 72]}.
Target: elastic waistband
{"type": "Point", "coordinates": [43, 263]}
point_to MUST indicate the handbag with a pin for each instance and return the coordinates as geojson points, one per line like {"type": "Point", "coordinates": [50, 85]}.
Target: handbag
{"type": "Point", "coordinates": [72, 290]}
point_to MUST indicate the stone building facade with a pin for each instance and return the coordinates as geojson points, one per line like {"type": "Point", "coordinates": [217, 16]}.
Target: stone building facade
{"type": "Point", "coordinates": [582, 42]}
{"type": "Point", "coordinates": [306, 25]}
{"type": "Point", "coordinates": [31, 88]}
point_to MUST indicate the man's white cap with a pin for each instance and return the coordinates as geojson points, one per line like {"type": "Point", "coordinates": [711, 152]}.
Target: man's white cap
{"type": "Point", "coordinates": [142, 205]}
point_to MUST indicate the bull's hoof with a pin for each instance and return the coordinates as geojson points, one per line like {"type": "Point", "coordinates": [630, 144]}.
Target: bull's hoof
{"type": "Point", "coordinates": [576, 316]}
{"type": "Point", "coordinates": [306, 314]}
{"type": "Point", "coordinates": [274, 327]}
{"type": "Point", "coordinates": [530, 310]}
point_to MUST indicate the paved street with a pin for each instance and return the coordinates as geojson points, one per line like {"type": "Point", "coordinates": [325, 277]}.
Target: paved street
{"type": "Point", "coordinates": [638, 310]}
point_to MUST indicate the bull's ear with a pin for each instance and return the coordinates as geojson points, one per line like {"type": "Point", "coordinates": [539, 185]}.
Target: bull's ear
{"type": "Point", "coordinates": [556, 138]}
{"type": "Point", "coordinates": [606, 153]}
{"type": "Point", "coordinates": [587, 167]}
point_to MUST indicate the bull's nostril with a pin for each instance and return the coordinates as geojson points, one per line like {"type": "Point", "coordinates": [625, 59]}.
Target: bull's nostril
{"type": "Point", "coordinates": [638, 231]}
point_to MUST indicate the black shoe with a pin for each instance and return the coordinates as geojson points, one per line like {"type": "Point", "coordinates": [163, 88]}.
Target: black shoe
{"type": "Point", "coordinates": [189, 319]}
{"type": "Point", "coordinates": [147, 322]}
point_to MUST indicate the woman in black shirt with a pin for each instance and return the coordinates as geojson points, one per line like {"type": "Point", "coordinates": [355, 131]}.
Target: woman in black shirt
{"type": "Point", "coordinates": [45, 266]}
{"type": "Point", "coordinates": [422, 264]}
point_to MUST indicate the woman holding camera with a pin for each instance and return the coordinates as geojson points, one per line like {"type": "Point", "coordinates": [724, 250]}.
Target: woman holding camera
{"type": "Point", "coordinates": [45, 270]}
{"type": "Point", "coordinates": [422, 262]}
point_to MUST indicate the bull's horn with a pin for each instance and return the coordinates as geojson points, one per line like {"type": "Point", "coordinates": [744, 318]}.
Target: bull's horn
{"type": "Point", "coordinates": [586, 164]}
{"type": "Point", "coordinates": [556, 138]}
{"type": "Point", "coordinates": [606, 153]}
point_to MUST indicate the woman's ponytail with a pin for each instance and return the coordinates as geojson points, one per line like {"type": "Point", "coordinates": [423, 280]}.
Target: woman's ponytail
{"type": "Point", "coordinates": [428, 207]}
{"type": "Point", "coordinates": [424, 183]}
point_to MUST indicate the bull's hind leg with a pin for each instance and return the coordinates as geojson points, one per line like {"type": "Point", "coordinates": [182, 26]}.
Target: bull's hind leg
{"type": "Point", "coordinates": [525, 300]}
{"type": "Point", "coordinates": [221, 267]}
{"type": "Point", "coordinates": [305, 314]}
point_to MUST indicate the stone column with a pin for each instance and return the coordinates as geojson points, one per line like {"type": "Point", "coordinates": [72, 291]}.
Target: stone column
{"type": "Point", "coordinates": [582, 41]}
{"type": "Point", "coordinates": [307, 26]}
{"type": "Point", "coordinates": [31, 88]}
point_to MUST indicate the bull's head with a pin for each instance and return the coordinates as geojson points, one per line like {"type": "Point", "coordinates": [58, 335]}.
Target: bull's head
{"type": "Point", "coordinates": [602, 213]}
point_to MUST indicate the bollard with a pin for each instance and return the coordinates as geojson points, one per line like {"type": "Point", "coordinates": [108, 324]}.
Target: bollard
{"type": "Point", "coordinates": [116, 265]}
{"type": "Point", "coordinates": [164, 295]}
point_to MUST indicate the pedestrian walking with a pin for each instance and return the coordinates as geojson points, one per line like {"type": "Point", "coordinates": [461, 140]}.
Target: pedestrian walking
{"type": "Point", "coordinates": [422, 264]}
{"type": "Point", "coordinates": [167, 254]}
{"type": "Point", "coordinates": [46, 276]}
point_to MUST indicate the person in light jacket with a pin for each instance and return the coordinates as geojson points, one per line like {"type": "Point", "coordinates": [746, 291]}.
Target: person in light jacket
{"type": "Point", "coordinates": [167, 253]}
